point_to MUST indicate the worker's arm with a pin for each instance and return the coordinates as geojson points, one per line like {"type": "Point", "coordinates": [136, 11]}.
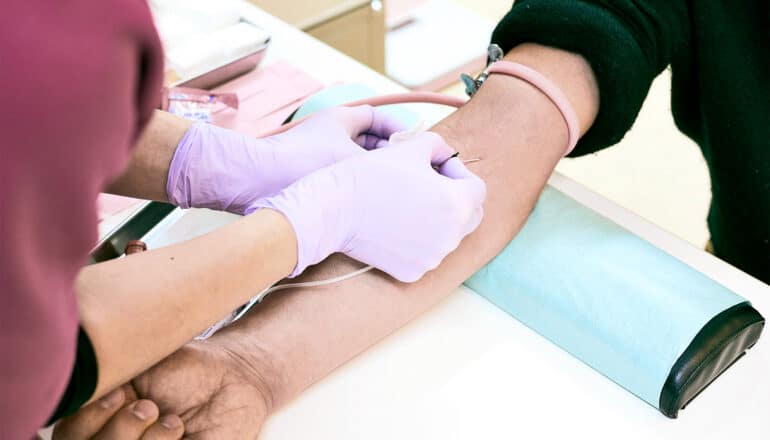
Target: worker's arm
{"type": "Point", "coordinates": [146, 174]}
{"type": "Point", "coordinates": [136, 310]}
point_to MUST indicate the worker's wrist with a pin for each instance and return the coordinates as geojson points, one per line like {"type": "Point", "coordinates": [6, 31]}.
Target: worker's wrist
{"type": "Point", "coordinates": [274, 230]}
{"type": "Point", "coordinates": [299, 223]}
{"type": "Point", "coordinates": [178, 190]}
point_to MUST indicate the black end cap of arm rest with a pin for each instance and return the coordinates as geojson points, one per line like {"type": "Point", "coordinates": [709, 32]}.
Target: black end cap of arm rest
{"type": "Point", "coordinates": [719, 344]}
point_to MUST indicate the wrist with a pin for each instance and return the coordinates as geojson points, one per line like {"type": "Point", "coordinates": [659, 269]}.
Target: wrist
{"type": "Point", "coordinates": [276, 232]}
{"type": "Point", "coordinates": [178, 189]}
{"type": "Point", "coordinates": [260, 347]}
{"type": "Point", "coordinates": [303, 239]}
{"type": "Point", "coordinates": [254, 365]}
{"type": "Point", "coordinates": [146, 174]}
{"type": "Point", "coordinates": [317, 215]}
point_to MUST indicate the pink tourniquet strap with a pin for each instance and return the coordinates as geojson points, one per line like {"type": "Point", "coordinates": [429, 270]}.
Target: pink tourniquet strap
{"type": "Point", "coordinates": [549, 89]}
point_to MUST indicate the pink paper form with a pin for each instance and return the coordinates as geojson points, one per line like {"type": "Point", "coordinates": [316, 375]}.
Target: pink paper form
{"type": "Point", "coordinates": [267, 97]}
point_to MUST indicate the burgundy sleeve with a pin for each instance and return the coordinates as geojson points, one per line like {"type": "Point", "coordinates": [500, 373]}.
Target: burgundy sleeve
{"type": "Point", "coordinates": [80, 78]}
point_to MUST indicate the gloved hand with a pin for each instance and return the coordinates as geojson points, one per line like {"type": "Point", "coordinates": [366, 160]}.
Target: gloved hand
{"type": "Point", "coordinates": [221, 169]}
{"type": "Point", "coordinates": [388, 208]}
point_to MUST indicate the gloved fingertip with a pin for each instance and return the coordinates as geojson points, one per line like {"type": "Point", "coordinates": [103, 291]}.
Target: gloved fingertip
{"type": "Point", "coordinates": [385, 125]}
{"type": "Point", "coordinates": [381, 143]}
{"type": "Point", "coordinates": [357, 120]}
{"type": "Point", "coordinates": [454, 168]}
{"type": "Point", "coordinates": [367, 141]}
{"type": "Point", "coordinates": [476, 187]}
{"type": "Point", "coordinates": [440, 152]}
{"type": "Point", "coordinates": [475, 220]}
{"type": "Point", "coordinates": [365, 118]}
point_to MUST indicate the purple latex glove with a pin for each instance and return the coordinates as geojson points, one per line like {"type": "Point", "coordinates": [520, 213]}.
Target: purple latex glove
{"type": "Point", "coordinates": [221, 169]}
{"type": "Point", "coordinates": [388, 208]}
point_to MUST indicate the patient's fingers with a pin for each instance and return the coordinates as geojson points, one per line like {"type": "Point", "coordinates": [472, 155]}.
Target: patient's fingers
{"type": "Point", "coordinates": [90, 419]}
{"type": "Point", "coordinates": [130, 422]}
{"type": "Point", "coordinates": [116, 416]}
{"type": "Point", "coordinates": [168, 427]}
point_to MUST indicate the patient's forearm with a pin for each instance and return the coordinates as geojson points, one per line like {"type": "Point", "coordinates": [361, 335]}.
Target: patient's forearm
{"type": "Point", "coordinates": [297, 337]}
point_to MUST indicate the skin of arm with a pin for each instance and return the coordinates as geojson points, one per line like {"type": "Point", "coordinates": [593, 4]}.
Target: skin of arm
{"type": "Point", "coordinates": [298, 337]}
{"type": "Point", "coordinates": [174, 292]}
{"type": "Point", "coordinates": [147, 172]}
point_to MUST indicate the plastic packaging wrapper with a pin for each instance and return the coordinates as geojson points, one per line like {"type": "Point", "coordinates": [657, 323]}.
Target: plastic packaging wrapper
{"type": "Point", "coordinates": [195, 104]}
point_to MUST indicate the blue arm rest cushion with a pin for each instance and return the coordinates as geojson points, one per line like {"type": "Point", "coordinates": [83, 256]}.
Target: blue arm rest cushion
{"type": "Point", "coordinates": [611, 299]}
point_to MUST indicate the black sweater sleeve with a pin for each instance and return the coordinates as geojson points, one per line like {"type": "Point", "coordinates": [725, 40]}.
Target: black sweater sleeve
{"type": "Point", "coordinates": [627, 43]}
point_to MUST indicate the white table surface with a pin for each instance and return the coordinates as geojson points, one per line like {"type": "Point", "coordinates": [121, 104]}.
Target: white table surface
{"type": "Point", "coordinates": [467, 370]}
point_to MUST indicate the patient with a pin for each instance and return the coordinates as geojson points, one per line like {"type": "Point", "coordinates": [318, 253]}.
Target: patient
{"type": "Point", "coordinates": [225, 387]}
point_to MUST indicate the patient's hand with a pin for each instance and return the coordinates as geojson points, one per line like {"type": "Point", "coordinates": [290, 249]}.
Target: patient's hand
{"type": "Point", "coordinates": [216, 394]}
{"type": "Point", "coordinates": [224, 387]}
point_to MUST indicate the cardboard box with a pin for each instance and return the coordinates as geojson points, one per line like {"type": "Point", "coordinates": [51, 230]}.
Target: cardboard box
{"type": "Point", "coordinates": [353, 27]}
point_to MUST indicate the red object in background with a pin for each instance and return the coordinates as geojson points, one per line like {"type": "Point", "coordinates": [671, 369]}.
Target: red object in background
{"type": "Point", "coordinates": [135, 247]}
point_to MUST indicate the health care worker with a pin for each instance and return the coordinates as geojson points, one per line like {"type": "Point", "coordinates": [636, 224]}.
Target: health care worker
{"type": "Point", "coordinates": [81, 80]}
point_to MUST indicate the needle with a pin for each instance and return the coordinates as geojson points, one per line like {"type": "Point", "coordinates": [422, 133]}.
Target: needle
{"type": "Point", "coordinates": [436, 167]}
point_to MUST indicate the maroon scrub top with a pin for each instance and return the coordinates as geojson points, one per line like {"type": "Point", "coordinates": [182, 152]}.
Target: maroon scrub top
{"type": "Point", "coordinates": [79, 80]}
